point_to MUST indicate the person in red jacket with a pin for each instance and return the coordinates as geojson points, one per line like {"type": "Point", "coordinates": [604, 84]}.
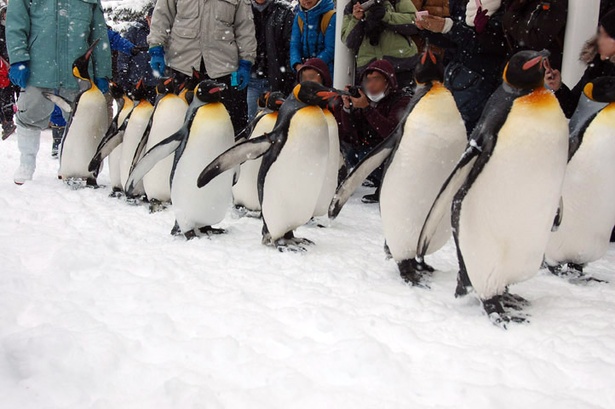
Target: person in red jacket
{"type": "Point", "coordinates": [371, 117]}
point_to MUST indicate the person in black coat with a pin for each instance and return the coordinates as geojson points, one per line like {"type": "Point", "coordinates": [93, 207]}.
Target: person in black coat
{"type": "Point", "coordinates": [273, 20]}
{"type": "Point", "coordinates": [476, 62]}
{"type": "Point", "coordinates": [598, 54]}
{"type": "Point", "coordinates": [132, 67]}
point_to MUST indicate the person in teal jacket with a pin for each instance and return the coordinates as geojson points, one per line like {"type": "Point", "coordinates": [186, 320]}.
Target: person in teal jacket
{"type": "Point", "coordinates": [43, 39]}
{"type": "Point", "coordinates": [313, 34]}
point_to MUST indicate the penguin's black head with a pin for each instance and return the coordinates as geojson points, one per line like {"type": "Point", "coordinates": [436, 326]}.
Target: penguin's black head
{"type": "Point", "coordinates": [429, 68]}
{"type": "Point", "coordinates": [139, 92]}
{"type": "Point", "coordinates": [165, 86]}
{"type": "Point", "coordinates": [116, 90]}
{"type": "Point", "coordinates": [209, 91]}
{"type": "Point", "coordinates": [261, 102]}
{"type": "Point", "coordinates": [80, 65]}
{"type": "Point", "coordinates": [601, 89]}
{"type": "Point", "coordinates": [274, 101]}
{"type": "Point", "coordinates": [313, 93]}
{"type": "Point", "coordinates": [526, 69]}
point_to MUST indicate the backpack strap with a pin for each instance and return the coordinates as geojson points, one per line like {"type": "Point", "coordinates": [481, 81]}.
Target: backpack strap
{"type": "Point", "coordinates": [325, 19]}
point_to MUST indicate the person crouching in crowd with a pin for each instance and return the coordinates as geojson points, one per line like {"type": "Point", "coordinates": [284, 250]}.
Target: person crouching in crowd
{"type": "Point", "coordinates": [371, 117]}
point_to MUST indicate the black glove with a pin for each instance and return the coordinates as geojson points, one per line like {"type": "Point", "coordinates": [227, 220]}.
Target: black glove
{"type": "Point", "coordinates": [374, 26]}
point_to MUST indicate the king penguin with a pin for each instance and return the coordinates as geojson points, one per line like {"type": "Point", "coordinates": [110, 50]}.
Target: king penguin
{"type": "Point", "coordinates": [506, 188]}
{"type": "Point", "coordinates": [139, 124]}
{"type": "Point", "coordinates": [124, 107]}
{"type": "Point", "coordinates": [419, 155]}
{"type": "Point", "coordinates": [589, 189]}
{"type": "Point", "coordinates": [168, 118]}
{"type": "Point", "coordinates": [245, 190]}
{"type": "Point", "coordinates": [207, 131]}
{"type": "Point", "coordinates": [86, 126]}
{"type": "Point", "coordinates": [294, 165]}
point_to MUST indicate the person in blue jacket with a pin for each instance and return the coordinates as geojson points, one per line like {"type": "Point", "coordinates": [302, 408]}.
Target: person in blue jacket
{"type": "Point", "coordinates": [313, 34]}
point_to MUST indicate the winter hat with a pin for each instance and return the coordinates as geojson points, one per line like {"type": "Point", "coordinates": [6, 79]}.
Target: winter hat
{"type": "Point", "coordinates": [608, 23]}
{"type": "Point", "coordinates": [320, 67]}
{"type": "Point", "coordinates": [383, 67]}
{"type": "Point", "coordinates": [472, 8]}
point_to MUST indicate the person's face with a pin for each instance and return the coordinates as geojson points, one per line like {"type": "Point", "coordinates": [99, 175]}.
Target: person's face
{"type": "Point", "coordinates": [375, 83]}
{"type": "Point", "coordinates": [606, 44]}
{"type": "Point", "coordinates": [309, 74]}
{"type": "Point", "coordinates": [308, 4]}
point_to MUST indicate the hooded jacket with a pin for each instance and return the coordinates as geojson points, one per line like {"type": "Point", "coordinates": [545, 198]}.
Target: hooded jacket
{"type": "Point", "coordinates": [52, 34]}
{"type": "Point", "coordinates": [320, 67]}
{"type": "Point", "coordinates": [220, 32]}
{"type": "Point", "coordinates": [369, 126]}
{"type": "Point", "coordinates": [596, 67]}
{"type": "Point", "coordinates": [394, 45]}
{"type": "Point", "coordinates": [311, 42]}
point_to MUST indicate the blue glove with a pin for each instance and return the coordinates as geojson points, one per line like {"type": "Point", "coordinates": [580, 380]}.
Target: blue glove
{"type": "Point", "coordinates": [156, 60]}
{"type": "Point", "coordinates": [243, 74]}
{"type": "Point", "coordinates": [102, 84]}
{"type": "Point", "coordinates": [19, 73]}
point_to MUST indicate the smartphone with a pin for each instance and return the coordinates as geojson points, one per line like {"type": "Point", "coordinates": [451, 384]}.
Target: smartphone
{"type": "Point", "coordinates": [234, 81]}
{"type": "Point", "coordinates": [420, 15]}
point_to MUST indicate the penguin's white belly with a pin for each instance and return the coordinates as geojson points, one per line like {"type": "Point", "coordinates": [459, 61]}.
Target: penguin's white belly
{"type": "Point", "coordinates": [434, 140]}
{"type": "Point", "coordinates": [114, 167]}
{"type": "Point", "coordinates": [507, 214]}
{"type": "Point", "coordinates": [333, 164]}
{"type": "Point", "coordinates": [134, 132]}
{"type": "Point", "coordinates": [589, 197]}
{"type": "Point", "coordinates": [294, 180]}
{"type": "Point", "coordinates": [88, 126]}
{"type": "Point", "coordinates": [210, 135]}
{"type": "Point", "coordinates": [168, 119]}
{"type": "Point", "coordinates": [245, 191]}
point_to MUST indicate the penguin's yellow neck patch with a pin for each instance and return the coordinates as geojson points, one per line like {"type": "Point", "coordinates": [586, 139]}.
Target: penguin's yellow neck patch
{"type": "Point", "coordinates": [144, 104]}
{"type": "Point", "coordinates": [540, 98]}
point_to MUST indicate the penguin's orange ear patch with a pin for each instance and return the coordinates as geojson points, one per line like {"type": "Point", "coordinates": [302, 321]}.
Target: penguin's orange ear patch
{"type": "Point", "coordinates": [588, 90]}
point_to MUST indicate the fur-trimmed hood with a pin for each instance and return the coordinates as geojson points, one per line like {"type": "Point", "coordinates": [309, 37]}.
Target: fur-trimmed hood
{"type": "Point", "coordinates": [590, 50]}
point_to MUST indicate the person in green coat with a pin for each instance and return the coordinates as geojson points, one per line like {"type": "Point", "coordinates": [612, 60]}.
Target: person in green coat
{"type": "Point", "coordinates": [43, 39]}
{"type": "Point", "coordinates": [381, 29]}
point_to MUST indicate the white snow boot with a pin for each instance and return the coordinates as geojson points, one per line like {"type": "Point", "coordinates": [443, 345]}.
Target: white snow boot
{"type": "Point", "coordinates": [28, 141]}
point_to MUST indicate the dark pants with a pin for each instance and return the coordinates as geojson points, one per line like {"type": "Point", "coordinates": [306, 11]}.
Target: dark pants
{"type": "Point", "coordinates": [7, 101]}
{"type": "Point", "coordinates": [234, 100]}
{"type": "Point", "coordinates": [353, 155]}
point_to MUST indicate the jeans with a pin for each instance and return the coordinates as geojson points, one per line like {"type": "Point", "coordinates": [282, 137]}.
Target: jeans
{"type": "Point", "coordinates": [255, 88]}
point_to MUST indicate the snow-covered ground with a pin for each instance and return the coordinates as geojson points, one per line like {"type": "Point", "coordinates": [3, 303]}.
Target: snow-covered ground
{"type": "Point", "coordinates": [101, 308]}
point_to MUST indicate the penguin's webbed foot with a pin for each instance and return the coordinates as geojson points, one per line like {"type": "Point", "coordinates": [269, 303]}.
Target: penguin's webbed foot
{"type": "Point", "coordinates": [91, 183]}
{"type": "Point", "coordinates": [157, 206]}
{"type": "Point", "coordinates": [116, 192]}
{"type": "Point", "coordinates": [414, 272]}
{"type": "Point", "coordinates": [499, 316]}
{"type": "Point", "coordinates": [290, 243]}
{"type": "Point", "coordinates": [573, 273]}
{"type": "Point", "coordinates": [176, 231]}
{"type": "Point", "coordinates": [211, 231]}
{"type": "Point", "coordinates": [136, 200]}
{"type": "Point", "coordinates": [513, 301]}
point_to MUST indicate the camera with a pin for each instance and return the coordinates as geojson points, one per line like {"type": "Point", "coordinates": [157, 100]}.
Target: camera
{"type": "Point", "coordinates": [354, 91]}
{"type": "Point", "coordinates": [366, 5]}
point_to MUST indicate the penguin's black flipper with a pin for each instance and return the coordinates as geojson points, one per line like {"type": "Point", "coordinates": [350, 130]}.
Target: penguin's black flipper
{"type": "Point", "coordinates": [109, 142]}
{"type": "Point", "coordinates": [238, 154]}
{"type": "Point", "coordinates": [358, 174]}
{"type": "Point", "coordinates": [158, 152]}
{"type": "Point", "coordinates": [64, 104]}
{"type": "Point", "coordinates": [443, 202]}
{"type": "Point", "coordinates": [559, 215]}
{"type": "Point", "coordinates": [247, 131]}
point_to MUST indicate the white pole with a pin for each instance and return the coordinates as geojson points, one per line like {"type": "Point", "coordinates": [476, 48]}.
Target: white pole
{"type": "Point", "coordinates": [343, 63]}
{"type": "Point", "coordinates": [581, 25]}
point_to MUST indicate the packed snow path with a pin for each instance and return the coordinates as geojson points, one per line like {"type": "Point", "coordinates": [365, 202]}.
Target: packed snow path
{"type": "Point", "coordinates": [101, 308]}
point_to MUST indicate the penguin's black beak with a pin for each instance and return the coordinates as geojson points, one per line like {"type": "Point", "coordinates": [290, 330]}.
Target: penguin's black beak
{"type": "Point", "coordinates": [219, 87]}
{"type": "Point", "coordinates": [88, 53]}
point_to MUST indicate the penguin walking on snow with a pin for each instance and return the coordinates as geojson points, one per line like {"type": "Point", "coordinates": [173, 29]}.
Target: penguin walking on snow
{"type": "Point", "coordinates": [168, 118]}
{"type": "Point", "coordinates": [207, 131]}
{"type": "Point", "coordinates": [589, 189]}
{"type": "Point", "coordinates": [420, 154]}
{"type": "Point", "coordinates": [86, 126]}
{"type": "Point", "coordinates": [245, 190]}
{"type": "Point", "coordinates": [294, 165]}
{"type": "Point", "coordinates": [506, 188]}
{"type": "Point", "coordinates": [124, 107]}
